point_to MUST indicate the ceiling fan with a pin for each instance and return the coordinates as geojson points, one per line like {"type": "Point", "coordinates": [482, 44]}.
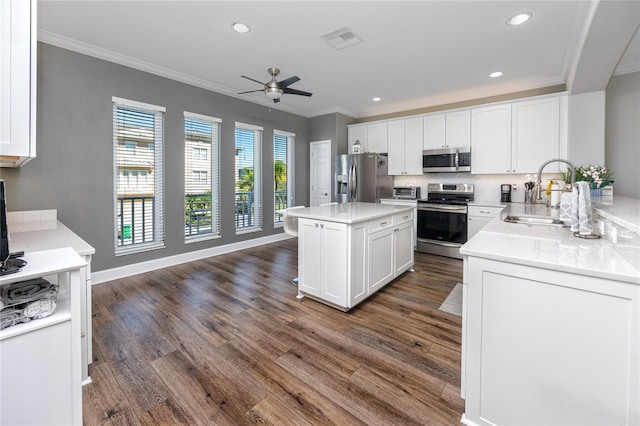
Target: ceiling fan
{"type": "Point", "coordinates": [274, 89]}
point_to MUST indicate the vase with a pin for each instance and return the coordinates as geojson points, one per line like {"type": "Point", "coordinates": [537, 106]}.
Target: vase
{"type": "Point", "coordinates": [597, 192]}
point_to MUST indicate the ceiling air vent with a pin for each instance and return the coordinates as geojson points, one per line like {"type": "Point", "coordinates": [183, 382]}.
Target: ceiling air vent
{"type": "Point", "coordinates": [341, 38]}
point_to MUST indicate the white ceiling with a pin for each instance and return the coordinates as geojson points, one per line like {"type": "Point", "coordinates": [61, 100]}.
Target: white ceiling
{"type": "Point", "coordinates": [414, 54]}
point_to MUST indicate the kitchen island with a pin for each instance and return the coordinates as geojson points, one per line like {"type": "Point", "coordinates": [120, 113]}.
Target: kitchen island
{"type": "Point", "coordinates": [551, 322]}
{"type": "Point", "coordinates": [348, 251]}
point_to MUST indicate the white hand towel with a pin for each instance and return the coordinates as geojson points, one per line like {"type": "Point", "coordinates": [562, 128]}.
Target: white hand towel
{"type": "Point", "coordinates": [585, 225]}
{"type": "Point", "coordinates": [565, 206]}
{"type": "Point", "coordinates": [573, 198]}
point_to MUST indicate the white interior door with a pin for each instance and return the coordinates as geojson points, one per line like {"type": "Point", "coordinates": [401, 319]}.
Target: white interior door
{"type": "Point", "coordinates": [320, 172]}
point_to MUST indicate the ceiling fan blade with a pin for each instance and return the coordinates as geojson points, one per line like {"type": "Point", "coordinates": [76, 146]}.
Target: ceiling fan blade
{"type": "Point", "coordinates": [288, 82]}
{"type": "Point", "coordinates": [250, 91]}
{"type": "Point", "coordinates": [252, 79]}
{"type": "Point", "coordinates": [276, 100]}
{"type": "Point", "coordinates": [296, 92]}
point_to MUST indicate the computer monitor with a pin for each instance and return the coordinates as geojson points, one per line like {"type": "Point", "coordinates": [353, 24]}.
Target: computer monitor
{"type": "Point", "coordinates": [9, 263]}
{"type": "Point", "coordinates": [4, 231]}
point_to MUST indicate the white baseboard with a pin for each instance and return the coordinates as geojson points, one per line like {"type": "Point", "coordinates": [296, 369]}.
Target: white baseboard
{"type": "Point", "coordinates": [152, 265]}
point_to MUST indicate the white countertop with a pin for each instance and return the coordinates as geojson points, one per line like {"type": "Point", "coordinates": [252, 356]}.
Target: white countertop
{"type": "Point", "coordinates": [556, 248]}
{"type": "Point", "coordinates": [348, 212]}
{"type": "Point", "coordinates": [40, 230]}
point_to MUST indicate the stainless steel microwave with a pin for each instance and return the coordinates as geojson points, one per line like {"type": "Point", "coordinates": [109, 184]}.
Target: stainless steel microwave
{"type": "Point", "coordinates": [446, 160]}
{"type": "Point", "coordinates": [406, 192]}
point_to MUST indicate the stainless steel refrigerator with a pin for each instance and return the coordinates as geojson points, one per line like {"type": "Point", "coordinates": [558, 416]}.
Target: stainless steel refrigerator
{"type": "Point", "coordinates": [362, 177]}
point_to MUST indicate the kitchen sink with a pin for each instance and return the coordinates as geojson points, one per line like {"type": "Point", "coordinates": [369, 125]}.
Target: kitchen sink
{"type": "Point", "coordinates": [536, 220]}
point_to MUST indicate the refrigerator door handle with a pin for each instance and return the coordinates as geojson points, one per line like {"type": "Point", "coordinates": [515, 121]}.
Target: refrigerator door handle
{"type": "Point", "coordinates": [353, 181]}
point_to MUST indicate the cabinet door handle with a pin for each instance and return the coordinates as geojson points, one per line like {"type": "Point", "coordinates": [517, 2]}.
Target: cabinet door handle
{"type": "Point", "coordinates": [316, 225]}
{"type": "Point", "coordinates": [406, 217]}
{"type": "Point", "coordinates": [383, 223]}
{"type": "Point", "coordinates": [482, 211]}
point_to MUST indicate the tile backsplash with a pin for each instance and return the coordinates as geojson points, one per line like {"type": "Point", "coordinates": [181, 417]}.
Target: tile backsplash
{"type": "Point", "coordinates": [487, 187]}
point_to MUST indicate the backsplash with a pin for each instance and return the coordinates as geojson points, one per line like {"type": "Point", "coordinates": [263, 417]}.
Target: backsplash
{"type": "Point", "coordinates": [487, 187]}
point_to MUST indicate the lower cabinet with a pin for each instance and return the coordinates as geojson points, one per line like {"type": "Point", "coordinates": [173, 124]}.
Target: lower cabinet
{"type": "Point", "coordinates": [548, 347]}
{"type": "Point", "coordinates": [478, 217]}
{"type": "Point", "coordinates": [343, 264]}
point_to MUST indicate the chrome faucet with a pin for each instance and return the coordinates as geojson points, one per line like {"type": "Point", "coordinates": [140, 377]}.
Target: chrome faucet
{"type": "Point", "coordinates": [555, 160]}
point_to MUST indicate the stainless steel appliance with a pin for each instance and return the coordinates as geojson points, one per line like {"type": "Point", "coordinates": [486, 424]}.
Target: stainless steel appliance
{"type": "Point", "coordinates": [446, 160]}
{"type": "Point", "coordinates": [505, 193]}
{"type": "Point", "coordinates": [406, 192]}
{"type": "Point", "coordinates": [442, 219]}
{"type": "Point", "coordinates": [362, 177]}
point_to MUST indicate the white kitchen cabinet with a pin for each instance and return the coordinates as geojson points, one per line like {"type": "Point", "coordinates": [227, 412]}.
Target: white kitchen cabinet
{"type": "Point", "coordinates": [18, 82]}
{"type": "Point", "coordinates": [390, 247]}
{"type": "Point", "coordinates": [515, 137]}
{"type": "Point", "coordinates": [323, 252]}
{"type": "Point", "coordinates": [535, 134]}
{"type": "Point", "coordinates": [40, 368]}
{"type": "Point", "coordinates": [405, 146]}
{"type": "Point", "coordinates": [372, 137]}
{"type": "Point", "coordinates": [377, 137]}
{"type": "Point", "coordinates": [412, 203]}
{"type": "Point", "coordinates": [491, 139]}
{"type": "Point", "coordinates": [549, 347]}
{"type": "Point", "coordinates": [348, 251]}
{"type": "Point", "coordinates": [357, 134]}
{"type": "Point", "coordinates": [479, 216]}
{"type": "Point", "coordinates": [447, 130]}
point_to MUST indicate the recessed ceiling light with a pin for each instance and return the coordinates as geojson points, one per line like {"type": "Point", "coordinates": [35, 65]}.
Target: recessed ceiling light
{"type": "Point", "coordinates": [240, 27]}
{"type": "Point", "coordinates": [496, 74]}
{"type": "Point", "coordinates": [376, 99]}
{"type": "Point", "coordinates": [520, 18]}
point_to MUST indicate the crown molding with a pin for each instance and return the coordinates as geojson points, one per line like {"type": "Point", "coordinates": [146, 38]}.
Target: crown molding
{"type": "Point", "coordinates": [627, 68]}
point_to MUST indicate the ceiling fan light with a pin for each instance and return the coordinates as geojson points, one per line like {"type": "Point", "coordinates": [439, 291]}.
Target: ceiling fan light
{"type": "Point", "coordinates": [239, 27]}
{"type": "Point", "coordinates": [273, 92]}
{"type": "Point", "coordinates": [496, 74]}
{"type": "Point", "coordinates": [376, 99]}
{"type": "Point", "coordinates": [518, 19]}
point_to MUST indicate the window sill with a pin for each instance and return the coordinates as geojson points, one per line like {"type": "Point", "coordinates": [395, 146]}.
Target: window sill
{"type": "Point", "coordinates": [138, 249]}
{"type": "Point", "coordinates": [202, 237]}
{"type": "Point", "coordinates": [247, 231]}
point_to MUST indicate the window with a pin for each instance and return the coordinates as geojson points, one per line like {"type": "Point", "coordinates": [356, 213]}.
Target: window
{"type": "Point", "coordinates": [248, 200]}
{"type": "Point", "coordinates": [283, 172]}
{"type": "Point", "coordinates": [202, 177]}
{"type": "Point", "coordinates": [138, 131]}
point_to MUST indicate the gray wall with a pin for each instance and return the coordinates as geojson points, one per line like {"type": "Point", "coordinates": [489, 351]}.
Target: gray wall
{"type": "Point", "coordinates": [331, 127]}
{"type": "Point", "coordinates": [622, 133]}
{"type": "Point", "coordinates": [73, 168]}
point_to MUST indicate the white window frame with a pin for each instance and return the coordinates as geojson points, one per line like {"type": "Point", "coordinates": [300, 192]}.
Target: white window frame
{"type": "Point", "coordinates": [158, 173]}
{"type": "Point", "coordinates": [214, 160]}
{"type": "Point", "coordinates": [257, 177]}
{"type": "Point", "coordinates": [291, 143]}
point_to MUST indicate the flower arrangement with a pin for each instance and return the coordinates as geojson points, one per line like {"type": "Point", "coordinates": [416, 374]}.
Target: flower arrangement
{"type": "Point", "coordinates": [595, 176]}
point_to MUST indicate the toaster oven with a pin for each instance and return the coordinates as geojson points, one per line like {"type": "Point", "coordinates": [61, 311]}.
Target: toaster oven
{"type": "Point", "coordinates": [406, 192]}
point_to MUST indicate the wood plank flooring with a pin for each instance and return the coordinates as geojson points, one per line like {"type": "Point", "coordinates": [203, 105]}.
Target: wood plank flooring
{"type": "Point", "coordinates": [224, 341]}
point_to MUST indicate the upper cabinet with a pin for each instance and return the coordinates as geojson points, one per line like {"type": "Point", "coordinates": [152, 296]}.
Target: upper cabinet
{"type": "Point", "coordinates": [405, 146]}
{"type": "Point", "coordinates": [372, 137]}
{"type": "Point", "coordinates": [516, 137]}
{"type": "Point", "coordinates": [17, 82]}
{"type": "Point", "coordinates": [447, 130]}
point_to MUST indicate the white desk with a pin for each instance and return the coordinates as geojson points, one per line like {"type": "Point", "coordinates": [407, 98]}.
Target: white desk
{"type": "Point", "coordinates": [40, 360]}
{"type": "Point", "coordinates": [37, 230]}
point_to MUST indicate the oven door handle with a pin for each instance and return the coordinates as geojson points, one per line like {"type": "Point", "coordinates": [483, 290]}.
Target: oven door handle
{"type": "Point", "coordinates": [461, 209]}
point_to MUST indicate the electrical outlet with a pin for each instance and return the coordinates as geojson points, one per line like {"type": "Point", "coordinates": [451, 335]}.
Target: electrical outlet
{"type": "Point", "coordinates": [514, 186]}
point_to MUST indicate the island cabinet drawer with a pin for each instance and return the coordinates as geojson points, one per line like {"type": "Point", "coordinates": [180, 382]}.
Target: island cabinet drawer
{"type": "Point", "coordinates": [482, 211]}
{"type": "Point", "coordinates": [380, 223]}
{"type": "Point", "coordinates": [403, 217]}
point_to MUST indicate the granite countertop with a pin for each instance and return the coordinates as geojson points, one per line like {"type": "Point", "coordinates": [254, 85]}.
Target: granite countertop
{"type": "Point", "coordinates": [556, 248]}
{"type": "Point", "coordinates": [348, 212]}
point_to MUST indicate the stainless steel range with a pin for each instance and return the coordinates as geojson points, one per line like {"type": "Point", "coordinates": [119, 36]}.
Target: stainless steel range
{"type": "Point", "coordinates": [442, 218]}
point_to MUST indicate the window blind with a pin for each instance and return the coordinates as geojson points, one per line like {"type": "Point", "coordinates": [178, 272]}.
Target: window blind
{"type": "Point", "coordinates": [248, 177]}
{"type": "Point", "coordinates": [138, 176]}
{"type": "Point", "coordinates": [202, 176]}
{"type": "Point", "coordinates": [283, 172]}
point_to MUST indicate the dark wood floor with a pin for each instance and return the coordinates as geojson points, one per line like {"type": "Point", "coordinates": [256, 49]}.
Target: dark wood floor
{"type": "Point", "coordinates": [224, 341]}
